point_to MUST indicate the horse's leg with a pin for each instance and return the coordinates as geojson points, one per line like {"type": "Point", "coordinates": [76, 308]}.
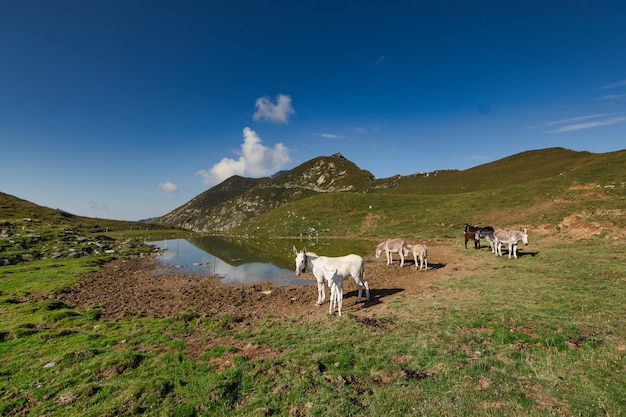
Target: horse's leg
{"type": "Point", "coordinates": [415, 258]}
{"type": "Point", "coordinates": [401, 252]}
{"type": "Point", "coordinates": [339, 296]}
{"type": "Point", "coordinates": [321, 294]}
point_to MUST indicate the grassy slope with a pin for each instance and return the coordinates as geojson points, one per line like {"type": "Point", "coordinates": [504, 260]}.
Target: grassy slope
{"type": "Point", "coordinates": [513, 170]}
{"type": "Point", "coordinates": [543, 335]}
{"type": "Point", "coordinates": [539, 200]}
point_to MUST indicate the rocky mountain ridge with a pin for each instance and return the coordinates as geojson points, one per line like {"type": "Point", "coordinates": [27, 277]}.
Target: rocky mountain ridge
{"type": "Point", "coordinates": [237, 199]}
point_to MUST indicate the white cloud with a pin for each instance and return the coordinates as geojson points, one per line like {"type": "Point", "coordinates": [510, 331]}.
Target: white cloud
{"type": "Point", "coordinates": [613, 97]}
{"type": "Point", "coordinates": [569, 125]}
{"type": "Point", "coordinates": [613, 85]}
{"type": "Point", "coordinates": [380, 60]}
{"type": "Point", "coordinates": [278, 112]}
{"type": "Point", "coordinates": [575, 119]}
{"type": "Point", "coordinates": [168, 187]}
{"type": "Point", "coordinates": [331, 136]}
{"type": "Point", "coordinates": [256, 160]}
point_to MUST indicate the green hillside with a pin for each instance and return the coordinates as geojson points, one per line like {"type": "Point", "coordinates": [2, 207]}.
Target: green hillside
{"type": "Point", "coordinates": [332, 196]}
{"type": "Point", "coordinates": [29, 232]}
{"type": "Point", "coordinates": [475, 335]}
{"type": "Point", "coordinates": [516, 169]}
{"type": "Point", "coordinates": [532, 188]}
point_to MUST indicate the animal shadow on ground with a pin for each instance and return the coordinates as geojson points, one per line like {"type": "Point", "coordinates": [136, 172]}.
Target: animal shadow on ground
{"type": "Point", "coordinates": [525, 253]}
{"type": "Point", "coordinates": [434, 266]}
{"type": "Point", "coordinates": [375, 295]}
{"type": "Point", "coordinates": [521, 253]}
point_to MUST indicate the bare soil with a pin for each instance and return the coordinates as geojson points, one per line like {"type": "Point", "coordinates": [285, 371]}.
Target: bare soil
{"type": "Point", "coordinates": [140, 286]}
{"type": "Point", "coordinates": [126, 288]}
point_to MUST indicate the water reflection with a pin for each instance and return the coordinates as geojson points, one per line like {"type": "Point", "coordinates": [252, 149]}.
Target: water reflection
{"type": "Point", "coordinates": [232, 263]}
{"type": "Point", "coordinates": [250, 260]}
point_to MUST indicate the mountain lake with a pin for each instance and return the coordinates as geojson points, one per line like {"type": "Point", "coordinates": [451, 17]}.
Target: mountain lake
{"type": "Point", "coordinates": [243, 260]}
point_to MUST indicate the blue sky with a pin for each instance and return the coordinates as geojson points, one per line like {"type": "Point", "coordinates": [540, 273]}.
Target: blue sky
{"type": "Point", "coordinates": [129, 109]}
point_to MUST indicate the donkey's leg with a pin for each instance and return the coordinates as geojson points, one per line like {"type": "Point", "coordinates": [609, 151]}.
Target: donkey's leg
{"type": "Point", "coordinates": [321, 294]}
{"type": "Point", "coordinates": [339, 296]}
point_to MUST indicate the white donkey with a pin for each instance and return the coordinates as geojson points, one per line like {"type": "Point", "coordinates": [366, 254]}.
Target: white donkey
{"type": "Point", "coordinates": [352, 265]}
{"type": "Point", "coordinates": [391, 246]}
{"type": "Point", "coordinates": [335, 281]}
{"type": "Point", "coordinates": [419, 251]}
{"type": "Point", "coordinates": [511, 237]}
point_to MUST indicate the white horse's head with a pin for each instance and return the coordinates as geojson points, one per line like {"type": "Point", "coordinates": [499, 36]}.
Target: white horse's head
{"type": "Point", "coordinates": [300, 260]}
{"type": "Point", "coordinates": [524, 236]}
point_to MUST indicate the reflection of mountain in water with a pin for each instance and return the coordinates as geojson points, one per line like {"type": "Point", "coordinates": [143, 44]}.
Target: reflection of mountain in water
{"type": "Point", "coordinates": [223, 258]}
{"type": "Point", "coordinates": [249, 260]}
{"type": "Point", "coordinates": [237, 252]}
{"type": "Point", "coordinates": [278, 251]}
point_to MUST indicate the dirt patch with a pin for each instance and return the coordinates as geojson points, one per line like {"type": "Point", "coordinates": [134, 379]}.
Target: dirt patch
{"type": "Point", "coordinates": [126, 288]}
{"type": "Point", "coordinates": [584, 225]}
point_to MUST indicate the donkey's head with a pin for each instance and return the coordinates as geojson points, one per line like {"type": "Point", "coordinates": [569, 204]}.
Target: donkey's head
{"type": "Point", "coordinates": [524, 234]}
{"type": "Point", "coordinates": [300, 260]}
{"type": "Point", "coordinates": [379, 248]}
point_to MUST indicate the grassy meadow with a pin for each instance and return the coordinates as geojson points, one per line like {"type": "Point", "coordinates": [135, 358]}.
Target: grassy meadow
{"type": "Point", "coordinates": [541, 335]}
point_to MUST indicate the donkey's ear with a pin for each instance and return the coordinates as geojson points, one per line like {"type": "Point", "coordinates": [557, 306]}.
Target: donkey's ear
{"type": "Point", "coordinates": [295, 250]}
{"type": "Point", "coordinates": [304, 249]}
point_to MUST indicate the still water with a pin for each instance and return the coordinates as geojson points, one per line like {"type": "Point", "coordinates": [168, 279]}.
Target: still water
{"type": "Point", "coordinates": [242, 261]}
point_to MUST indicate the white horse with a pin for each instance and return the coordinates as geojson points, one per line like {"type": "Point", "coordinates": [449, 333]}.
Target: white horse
{"type": "Point", "coordinates": [419, 251]}
{"type": "Point", "coordinates": [391, 246]}
{"type": "Point", "coordinates": [511, 237]}
{"type": "Point", "coordinates": [335, 282]}
{"type": "Point", "coordinates": [352, 265]}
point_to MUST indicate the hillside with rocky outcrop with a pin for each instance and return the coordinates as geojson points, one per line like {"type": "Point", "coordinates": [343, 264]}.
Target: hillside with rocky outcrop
{"type": "Point", "coordinates": [237, 199]}
{"type": "Point", "coordinates": [326, 183]}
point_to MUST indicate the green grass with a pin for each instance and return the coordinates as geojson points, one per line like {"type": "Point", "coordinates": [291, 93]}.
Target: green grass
{"type": "Point", "coordinates": [541, 335]}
